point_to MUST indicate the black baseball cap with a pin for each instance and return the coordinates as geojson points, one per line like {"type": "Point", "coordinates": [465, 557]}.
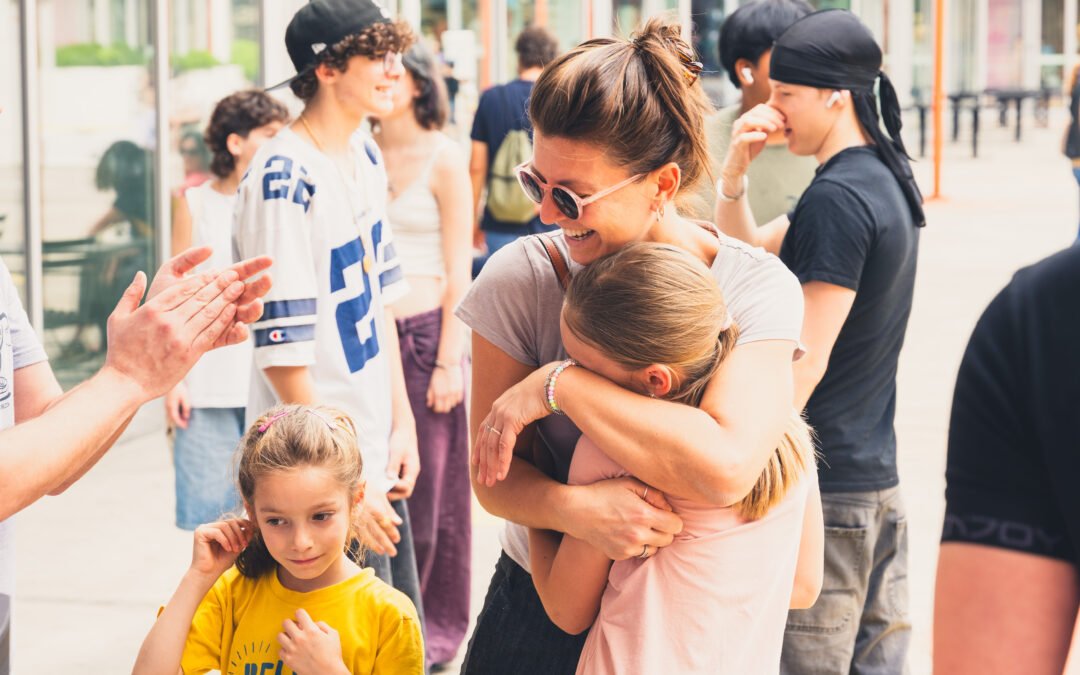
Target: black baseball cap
{"type": "Point", "coordinates": [323, 23]}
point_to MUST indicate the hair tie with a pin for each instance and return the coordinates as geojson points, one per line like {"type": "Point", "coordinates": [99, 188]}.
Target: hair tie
{"type": "Point", "coordinates": [728, 323]}
{"type": "Point", "coordinates": [266, 425]}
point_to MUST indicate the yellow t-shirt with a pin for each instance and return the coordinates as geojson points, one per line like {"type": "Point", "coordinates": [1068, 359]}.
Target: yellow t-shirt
{"type": "Point", "coordinates": [236, 625]}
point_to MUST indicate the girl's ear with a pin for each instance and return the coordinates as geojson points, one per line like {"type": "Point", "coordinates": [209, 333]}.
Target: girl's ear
{"type": "Point", "coordinates": [656, 380]}
{"type": "Point", "coordinates": [358, 499]}
{"type": "Point", "coordinates": [249, 511]}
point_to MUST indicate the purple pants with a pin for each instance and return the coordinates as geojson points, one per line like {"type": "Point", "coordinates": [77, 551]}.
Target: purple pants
{"type": "Point", "coordinates": [440, 506]}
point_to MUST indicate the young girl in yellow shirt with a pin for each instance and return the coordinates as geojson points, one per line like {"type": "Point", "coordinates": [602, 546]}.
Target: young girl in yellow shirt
{"type": "Point", "coordinates": [276, 592]}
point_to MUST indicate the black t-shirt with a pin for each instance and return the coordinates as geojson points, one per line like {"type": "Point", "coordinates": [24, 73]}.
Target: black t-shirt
{"type": "Point", "coordinates": [1014, 438]}
{"type": "Point", "coordinates": [853, 228]}
{"type": "Point", "coordinates": [502, 109]}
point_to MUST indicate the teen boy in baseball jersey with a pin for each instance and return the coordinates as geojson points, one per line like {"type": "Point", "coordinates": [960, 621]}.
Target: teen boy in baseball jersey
{"type": "Point", "coordinates": [314, 199]}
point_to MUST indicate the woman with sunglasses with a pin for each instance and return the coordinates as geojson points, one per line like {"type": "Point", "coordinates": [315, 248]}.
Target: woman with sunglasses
{"type": "Point", "coordinates": [618, 136]}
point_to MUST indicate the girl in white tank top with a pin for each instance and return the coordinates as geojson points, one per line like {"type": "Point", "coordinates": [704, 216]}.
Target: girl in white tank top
{"type": "Point", "coordinates": [206, 410]}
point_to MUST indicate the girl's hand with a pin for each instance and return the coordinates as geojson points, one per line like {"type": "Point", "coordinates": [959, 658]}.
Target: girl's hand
{"type": "Point", "coordinates": [446, 389]}
{"type": "Point", "coordinates": [178, 406]}
{"type": "Point", "coordinates": [519, 406]}
{"type": "Point", "coordinates": [218, 544]}
{"type": "Point", "coordinates": [310, 647]}
{"type": "Point", "coordinates": [748, 136]}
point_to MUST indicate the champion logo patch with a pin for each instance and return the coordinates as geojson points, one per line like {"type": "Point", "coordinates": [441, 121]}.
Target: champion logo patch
{"type": "Point", "coordinates": [276, 335]}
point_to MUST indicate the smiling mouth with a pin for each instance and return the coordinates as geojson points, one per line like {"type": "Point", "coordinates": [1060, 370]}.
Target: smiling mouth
{"type": "Point", "coordinates": [577, 235]}
{"type": "Point", "coordinates": [306, 561]}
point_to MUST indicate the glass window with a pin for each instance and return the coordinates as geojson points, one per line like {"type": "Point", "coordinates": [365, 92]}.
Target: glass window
{"type": "Point", "coordinates": [1005, 48]}
{"type": "Point", "coordinates": [215, 52]}
{"type": "Point", "coordinates": [1052, 47]}
{"type": "Point", "coordinates": [97, 177]}
{"type": "Point", "coordinates": [12, 225]}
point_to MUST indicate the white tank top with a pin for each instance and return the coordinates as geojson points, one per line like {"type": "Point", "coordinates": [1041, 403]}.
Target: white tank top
{"type": "Point", "coordinates": [414, 217]}
{"type": "Point", "coordinates": [220, 379]}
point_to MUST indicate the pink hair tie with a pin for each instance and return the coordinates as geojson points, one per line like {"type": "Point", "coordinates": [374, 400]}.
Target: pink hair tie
{"type": "Point", "coordinates": [266, 425]}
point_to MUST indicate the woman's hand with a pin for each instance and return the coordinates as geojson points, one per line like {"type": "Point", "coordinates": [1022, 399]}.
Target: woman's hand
{"type": "Point", "coordinates": [517, 407]}
{"type": "Point", "coordinates": [748, 136]}
{"type": "Point", "coordinates": [621, 516]}
{"type": "Point", "coordinates": [218, 544]}
{"type": "Point", "coordinates": [178, 406]}
{"type": "Point", "coordinates": [310, 647]}
{"type": "Point", "coordinates": [446, 389]}
{"type": "Point", "coordinates": [378, 523]}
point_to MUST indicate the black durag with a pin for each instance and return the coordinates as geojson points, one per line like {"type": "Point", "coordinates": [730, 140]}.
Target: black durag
{"type": "Point", "coordinates": [832, 49]}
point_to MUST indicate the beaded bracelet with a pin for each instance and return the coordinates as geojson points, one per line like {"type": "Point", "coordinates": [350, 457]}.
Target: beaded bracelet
{"type": "Point", "coordinates": [549, 385]}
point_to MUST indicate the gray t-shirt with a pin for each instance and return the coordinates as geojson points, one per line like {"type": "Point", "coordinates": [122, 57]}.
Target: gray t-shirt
{"type": "Point", "coordinates": [19, 347]}
{"type": "Point", "coordinates": [515, 304]}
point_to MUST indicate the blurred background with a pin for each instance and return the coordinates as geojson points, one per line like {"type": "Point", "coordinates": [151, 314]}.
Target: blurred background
{"type": "Point", "coordinates": [104, 103]}
{"type": "Point", "coordinates": [105, 100]}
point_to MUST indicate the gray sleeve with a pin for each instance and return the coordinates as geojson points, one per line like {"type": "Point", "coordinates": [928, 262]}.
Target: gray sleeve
{"type": "Point", "coordinates": [501, 305]}
{"type": "Point", "coordinates": [26, 350]}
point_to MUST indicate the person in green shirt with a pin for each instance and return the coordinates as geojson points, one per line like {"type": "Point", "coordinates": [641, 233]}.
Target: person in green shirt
{"type": "Point", "coordinates": [777, 177]}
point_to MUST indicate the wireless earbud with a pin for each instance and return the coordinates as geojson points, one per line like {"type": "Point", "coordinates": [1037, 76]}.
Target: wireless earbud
{"type": "Point", "coordinates": [747, 76]}
{"type": "Point", "coordinates": [833, 98]}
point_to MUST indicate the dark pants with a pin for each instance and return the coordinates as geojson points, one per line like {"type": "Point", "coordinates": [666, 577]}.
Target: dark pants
{"type": "Point", "coordinates": [1076, 175]}
{"type": "Point", "coordinates": [440, 506]}
{"type": "Point", "coordinates": [513, 633]}
{"type": "Point", "coordinates": [5, 634]}
{"type": "Point", "coordinates": [400, 570]}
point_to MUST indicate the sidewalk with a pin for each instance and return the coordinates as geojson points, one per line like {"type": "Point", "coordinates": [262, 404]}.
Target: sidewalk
{"type": "Point", "coordinates": [96, 563]}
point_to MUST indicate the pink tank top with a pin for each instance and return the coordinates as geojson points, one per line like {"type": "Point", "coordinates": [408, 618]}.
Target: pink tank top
{"type": "Point", "coordinates": [714, 601]}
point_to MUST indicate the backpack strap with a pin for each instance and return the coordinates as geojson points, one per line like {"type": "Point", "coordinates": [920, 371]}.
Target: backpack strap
{"type": "Point", "coordinates": [558, 261]}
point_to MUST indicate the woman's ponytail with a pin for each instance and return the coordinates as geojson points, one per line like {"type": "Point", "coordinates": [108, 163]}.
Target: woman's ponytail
{"type": "Point", "coordinates": [638, 99]}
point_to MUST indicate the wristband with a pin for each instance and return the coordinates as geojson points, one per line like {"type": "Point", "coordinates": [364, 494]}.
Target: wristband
{"type": "Point", "coordinates": [731, 198]}
{"type": "Point", "coordinates": [549, 386]}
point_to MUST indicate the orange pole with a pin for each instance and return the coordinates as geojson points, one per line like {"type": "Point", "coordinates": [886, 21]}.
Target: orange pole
{"type": "Point", "coordinates": [939, 90]}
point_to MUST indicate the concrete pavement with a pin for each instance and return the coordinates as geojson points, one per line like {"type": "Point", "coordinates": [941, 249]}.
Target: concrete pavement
{"type": "Point", "coordinates": [95, 563]}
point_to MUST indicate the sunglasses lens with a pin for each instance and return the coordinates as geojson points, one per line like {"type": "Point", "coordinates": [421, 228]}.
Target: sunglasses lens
{"type": "Point", "coordinates": [530, 187]}
{"type": "Point", "coordinates": [566, 203]}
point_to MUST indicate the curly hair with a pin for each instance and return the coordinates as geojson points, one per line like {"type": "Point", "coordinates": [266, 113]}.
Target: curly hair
{"type": "Point", "coordinates": [372, 42]}
{"type": "Point", "coordinates": [239, 113]}
{"type": "Point", "coordinates": [431, 106]}
{"type": "Point", "coordinates": [536, 47]}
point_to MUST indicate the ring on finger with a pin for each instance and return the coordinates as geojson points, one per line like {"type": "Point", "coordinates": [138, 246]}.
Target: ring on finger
{"type": "Point", "coordinates": [644, 495]}
{"type": "Point", "coordinates": [644, 551]}
{"type": "Point", "coordinates": [493, 429]}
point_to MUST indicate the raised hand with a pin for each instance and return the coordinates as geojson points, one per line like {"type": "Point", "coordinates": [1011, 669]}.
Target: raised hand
{"type": "Point", "coordinates": [217, 545]}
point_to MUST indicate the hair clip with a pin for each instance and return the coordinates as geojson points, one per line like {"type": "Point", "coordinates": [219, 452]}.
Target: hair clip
{"type": "Point", "coordinates": [330, 425]}
{"type": "Point", "coordinates": [266, 425]}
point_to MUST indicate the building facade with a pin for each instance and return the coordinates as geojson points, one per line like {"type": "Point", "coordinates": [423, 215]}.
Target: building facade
{"type": "Point", "coordinates": [103, 103]}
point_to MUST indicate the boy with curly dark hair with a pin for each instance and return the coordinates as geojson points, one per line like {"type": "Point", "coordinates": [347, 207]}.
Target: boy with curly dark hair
{"type": "Point", "coordinates": [315, 200]}
{"type": "Point", "coordinates": [206, 410]}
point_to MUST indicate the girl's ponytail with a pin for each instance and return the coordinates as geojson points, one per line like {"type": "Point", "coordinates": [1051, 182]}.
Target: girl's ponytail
{"type": "Point", "coordinates": [788, 463]}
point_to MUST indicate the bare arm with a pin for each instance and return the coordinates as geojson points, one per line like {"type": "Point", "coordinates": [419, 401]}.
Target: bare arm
{"type": "Point", "coordinates": [609, 514]}
{"type": "Point", "coordinates": [163, 648]}
{"type": "Point", "coordinates": [998, 612]}
{"type": "Point", "coordinates": [570, 577]}
{"type": "Point", "coordinates": [748, 137]}
{"type": "Point", "coordinates": [181, 226]}
{"type": "Point", "coordinates": [150, 349]}
{"type": "Point", "coordinates": [827, 308]}
{"type": "Point", "coordinates": [404, 459]}
{"type": "Point", "coordinates": [810, 568]}
{"type": "Point", "coordinates": [714, 453]}
{"type": "Point", "coordinates": [478, 167]}
{"type": "Point", "coordinates": [451, 188]}
{"type": "Point", "coordinates": [292, 384]}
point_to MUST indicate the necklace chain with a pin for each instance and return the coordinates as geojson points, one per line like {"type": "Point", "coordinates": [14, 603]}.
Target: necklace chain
{"type": "Point", "coordinates": [369, 253]}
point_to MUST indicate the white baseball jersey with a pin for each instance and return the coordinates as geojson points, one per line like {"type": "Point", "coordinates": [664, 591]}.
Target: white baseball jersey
{"type": "Point", "coordinates": [334, 272]}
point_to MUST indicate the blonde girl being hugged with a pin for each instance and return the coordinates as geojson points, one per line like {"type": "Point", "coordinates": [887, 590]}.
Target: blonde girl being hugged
{"type": "Point", "coordinates": [277, 593]}
{"type": "Point", "coordinates": [652, 319]}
